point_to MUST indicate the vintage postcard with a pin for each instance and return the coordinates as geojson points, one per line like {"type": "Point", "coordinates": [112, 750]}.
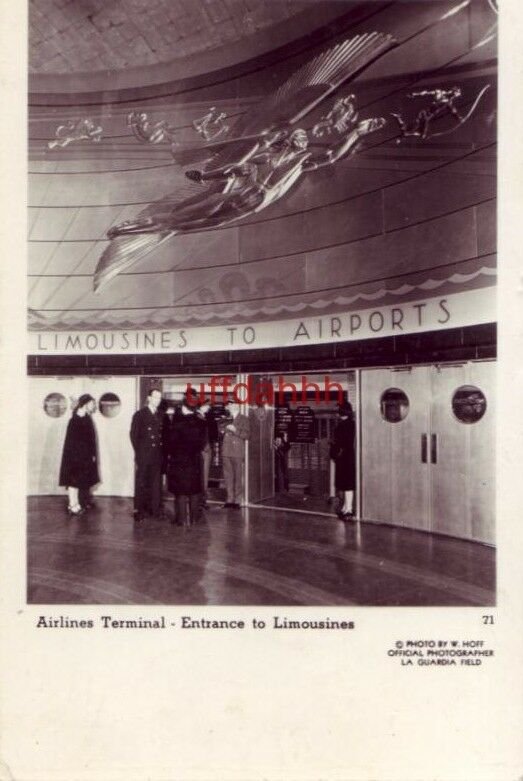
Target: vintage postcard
{"type": "Point", "coordinates": [261, 371]}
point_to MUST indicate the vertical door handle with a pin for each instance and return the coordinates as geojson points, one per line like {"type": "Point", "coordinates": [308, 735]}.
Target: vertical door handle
{"type": "Point", "coordinates": [423, 448]}
{"type": "Point", "coordinates": [433, 448]}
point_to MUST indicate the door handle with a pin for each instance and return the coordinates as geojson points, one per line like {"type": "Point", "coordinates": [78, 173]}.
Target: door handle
{"type": "Point", "coordinates": [423, 448]}
{"type": "Point", "coordinates": [434, 449]}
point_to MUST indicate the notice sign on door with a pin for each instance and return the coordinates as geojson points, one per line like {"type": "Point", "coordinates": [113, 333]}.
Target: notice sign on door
{"type": "Point", "coordinates": [283, 420]}
{"type": "Point", "coordinates": [303, 429]}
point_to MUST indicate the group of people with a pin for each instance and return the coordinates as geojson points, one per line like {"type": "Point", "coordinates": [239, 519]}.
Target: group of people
{"type": "Point", "coordinates": [178, 444]}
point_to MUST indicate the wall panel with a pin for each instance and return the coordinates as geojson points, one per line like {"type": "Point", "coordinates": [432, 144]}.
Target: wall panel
{"type": "Point", "coordinates": [433, 243]}
{"type": "Point", "coordinates": [486, 227]}
{"type": "Point", "coordinates": [434, 194]}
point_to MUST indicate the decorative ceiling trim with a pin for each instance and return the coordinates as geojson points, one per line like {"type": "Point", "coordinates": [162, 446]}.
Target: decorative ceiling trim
{"type": "Point", "coordinates": [154, 318]}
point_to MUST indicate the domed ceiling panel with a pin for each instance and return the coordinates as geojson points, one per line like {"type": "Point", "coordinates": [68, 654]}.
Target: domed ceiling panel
{"type": "Point", "coordinates": [87, 35]}
{"type": "Point", "coordinates": [402, 214]}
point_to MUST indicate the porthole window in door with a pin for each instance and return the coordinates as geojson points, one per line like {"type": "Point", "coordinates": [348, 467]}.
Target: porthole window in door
{"type": "Point", "coordinates": [109, 405]}
{"type": "Point", "coordinates": [394, 405]}
{"type": "Point", "coordinates": [55, 405]}
{"type": "Point", "coordinates": [469, 404]}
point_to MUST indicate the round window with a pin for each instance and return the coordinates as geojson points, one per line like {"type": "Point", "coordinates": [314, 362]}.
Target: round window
{"type": "Point", "coordinates": [394, 405]}
{"type": "Point", "coordinates": [55, 405]}
{"type": "Point", "coordinates": [469, 404]}
{"type": "Point", "coordinates": [109, 405]}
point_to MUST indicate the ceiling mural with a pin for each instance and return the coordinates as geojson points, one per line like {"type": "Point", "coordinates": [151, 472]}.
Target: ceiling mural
{"type": "Point", "coordinates": [257, 162]}
{"type": "Point", "coordinates": [356, 168]}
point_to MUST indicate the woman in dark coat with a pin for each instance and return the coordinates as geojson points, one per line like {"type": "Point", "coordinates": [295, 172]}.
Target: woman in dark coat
{"type": "Point", "coordinates": [344, 457]}
{"type": "Point", "coordinates": [79, 467]}
{"type": "Point", "coordinates": [187, 438]}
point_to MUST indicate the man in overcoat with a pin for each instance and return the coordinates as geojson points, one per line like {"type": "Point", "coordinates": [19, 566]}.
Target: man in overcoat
{"type": "Point", "coordinates": [187, 438]}
{"type": "Point", "coordinates": [146, 438]}
{"type": "Point", "coordinates": [344, 456]}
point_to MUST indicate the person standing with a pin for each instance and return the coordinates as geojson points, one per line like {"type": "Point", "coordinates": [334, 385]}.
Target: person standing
{"type": "Point", "coordinates": [281, 458]}
{"type": "Point", "coordinates": [167, 424]}
{"type": "Point", "coordinates": [236, 434]}
{"type": "Point", "coordinates": [208, 426]}
{"type": "Point", "coordinates": [343, 454]}
{"type": "Point", "coordinates": [79, 466]}
{"type": "Point", "coordinates": [184, 478]}
{"type": "Point", "coordinates": [146, 438]}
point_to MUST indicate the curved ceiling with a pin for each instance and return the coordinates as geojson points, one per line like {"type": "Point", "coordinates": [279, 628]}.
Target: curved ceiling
{"type": "Point", "coordinates": [389, 224]}
{"type": "Point", "coordinates": [79, 46]}
{"type": "Point", "coordinates": [69, 36]}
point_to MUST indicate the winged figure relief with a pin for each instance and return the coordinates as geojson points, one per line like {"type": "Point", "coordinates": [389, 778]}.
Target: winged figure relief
{"type": "Point", "coordinates": [262, 157]}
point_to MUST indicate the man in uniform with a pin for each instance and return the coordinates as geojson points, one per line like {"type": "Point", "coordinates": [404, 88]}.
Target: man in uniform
{"type": "Point", "coordinates": [146, 438]}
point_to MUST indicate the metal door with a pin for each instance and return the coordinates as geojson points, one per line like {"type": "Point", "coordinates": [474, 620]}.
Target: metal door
{"type": "Point", "coordinates": [434, 468]}
{"type": "Point", "coordinates": [449, 455]}
{"type": "Point", "coordinates": [482, 458]}
{"type": "Point", "coordinates": [462, 450]}
{"type": "Point", "coordinates": [395, 484]}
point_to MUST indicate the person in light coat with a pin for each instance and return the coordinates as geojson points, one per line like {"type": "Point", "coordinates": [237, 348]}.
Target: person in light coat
{"type": "Point", "coordinates": [236, 433]}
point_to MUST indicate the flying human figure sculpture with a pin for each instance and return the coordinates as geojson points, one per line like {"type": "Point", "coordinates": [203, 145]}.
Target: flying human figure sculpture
{"type": "Point", "coordinates": [339, 118]}
{"type": "Point", "coordinates": [259, 161]}
{"type": "Point", "coordinates": [148, 132]}
{"type": "Point", "coordinates": [84, 129]}
{"type": "Point", "coordinates": [212, 125]}
{"type": "Point", "coordinates": [443, 101]}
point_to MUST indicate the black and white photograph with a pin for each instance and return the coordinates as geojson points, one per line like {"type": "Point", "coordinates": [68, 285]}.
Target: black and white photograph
{"type": "Point", "coordinates": [260, 390]}
{"type": "Point", "coordinates": [262, 302]}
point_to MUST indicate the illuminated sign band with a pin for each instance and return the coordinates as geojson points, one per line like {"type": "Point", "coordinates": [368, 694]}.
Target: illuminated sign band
{"type": "Point", "coordinates": [455, 310]}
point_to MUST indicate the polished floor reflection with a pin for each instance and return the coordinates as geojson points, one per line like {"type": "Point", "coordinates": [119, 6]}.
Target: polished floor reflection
{"type": "Point", "coordinates": [255, 556]}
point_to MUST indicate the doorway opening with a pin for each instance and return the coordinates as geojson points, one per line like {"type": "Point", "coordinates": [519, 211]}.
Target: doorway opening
{"type": "Point", "coordinates": [290, 463]}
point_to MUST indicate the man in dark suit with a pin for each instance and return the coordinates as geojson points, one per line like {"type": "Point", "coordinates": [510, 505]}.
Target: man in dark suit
{"type": "Point", "coordinates": [146, 438]}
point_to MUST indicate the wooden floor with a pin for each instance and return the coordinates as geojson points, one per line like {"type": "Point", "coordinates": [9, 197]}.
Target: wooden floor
{"type": "Point", "coordinates": [254, 556]}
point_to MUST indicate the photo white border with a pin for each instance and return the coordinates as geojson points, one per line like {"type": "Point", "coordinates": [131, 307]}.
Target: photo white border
{"type": "Point", "coordinates": [107, 706]}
